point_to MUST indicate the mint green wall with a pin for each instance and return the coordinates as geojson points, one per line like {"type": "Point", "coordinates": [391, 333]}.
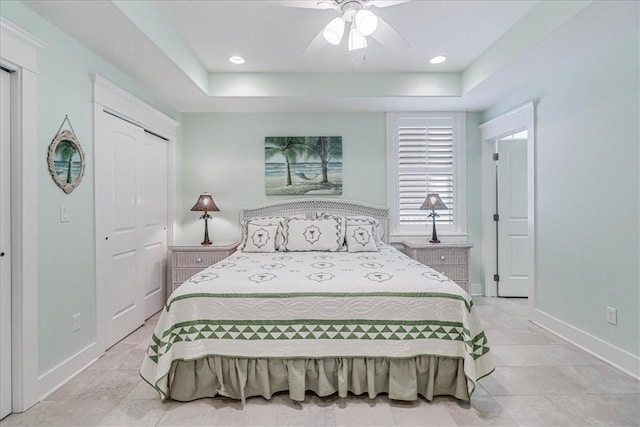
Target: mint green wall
{"type": "Point", "coordinates": [587, 180]}
{"type": "Point", "coordinates": [224, 154]}
{"type": "Point", "coordinates": [66, 267]}
{"type": "Point", "coordinates": [474, 213]}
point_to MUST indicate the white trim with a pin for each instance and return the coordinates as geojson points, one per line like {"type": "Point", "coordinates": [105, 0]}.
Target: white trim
{"type": "Point", "coordinates": [516, 120]}
{"type": "Point", "coordinates": [476, 289]}
{"type": "Point", "coordinates": [610, 354]}
{"type": "Point", "coordinates": [127, 106]}
{"type": "Point", "coordinates": [18, 52]}
{"type": "Point", "coordinates": [459, 234]}
{"type": "Point", "coordinates": [19, 47]}
{"type": "Point", "coordinates": [114, 100]}
{"type": "Point", "coordinates": [60, 374]}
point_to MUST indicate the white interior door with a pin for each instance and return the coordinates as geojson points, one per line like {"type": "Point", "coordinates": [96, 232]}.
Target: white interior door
{"type": "Point", "coordinates": [513, 252]}
{"type": "Point", "coordinates": [120, 183]}
{"type": "Point", "coordinates": [155, 221]}
{"type": "Point", "coordinates": [5, 246]}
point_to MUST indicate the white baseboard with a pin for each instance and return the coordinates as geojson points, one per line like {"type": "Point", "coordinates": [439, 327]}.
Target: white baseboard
{"type": "Point", "coordinates": [59, 375]}
{"type": "Point", "coordinates": [476, 289]}
{"type": "Point", "coordinates": [604, 351]}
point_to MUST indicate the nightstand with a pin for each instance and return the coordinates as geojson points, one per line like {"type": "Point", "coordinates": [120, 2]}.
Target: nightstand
{"type": "Point", "coordinates": [185, 261]}
{"type": "Point", "coordinates": [450, 259]}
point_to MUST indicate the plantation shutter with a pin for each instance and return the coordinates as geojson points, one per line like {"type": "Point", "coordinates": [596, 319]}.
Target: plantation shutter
{"type": "Point", "coordinates": [425, 165]}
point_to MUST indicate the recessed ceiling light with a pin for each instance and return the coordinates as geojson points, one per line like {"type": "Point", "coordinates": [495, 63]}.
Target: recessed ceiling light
{"type": "Point", "coordinates": [236, 60]}
{"type": "Point", "coordinates": [438, 59]}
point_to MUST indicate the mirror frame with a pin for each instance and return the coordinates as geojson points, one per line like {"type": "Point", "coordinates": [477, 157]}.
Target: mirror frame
{"type": "Point", "coordinates": [61, 137]}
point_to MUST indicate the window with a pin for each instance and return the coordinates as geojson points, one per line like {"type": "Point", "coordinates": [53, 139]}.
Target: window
{"type": "Point", "coordinates": [426, 154]}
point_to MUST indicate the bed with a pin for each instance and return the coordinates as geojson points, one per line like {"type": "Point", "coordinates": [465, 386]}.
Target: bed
{"type": "Point", "coordinates": [316, 300]}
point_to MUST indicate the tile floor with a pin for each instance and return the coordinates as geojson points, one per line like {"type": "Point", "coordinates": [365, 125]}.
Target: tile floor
{"type": "Point", "coordinates": [540, 380]}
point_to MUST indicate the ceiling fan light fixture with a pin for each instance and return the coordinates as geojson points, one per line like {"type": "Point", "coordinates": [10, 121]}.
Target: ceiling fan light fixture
{"type": "Point", "coordinates": [325, 4]}
{"type": "Point", "coordinates": [356, 40]}
{"type": "Point", "coordinates": [366, 22]}
{"type": "Point", "coordinates": [334, 30]}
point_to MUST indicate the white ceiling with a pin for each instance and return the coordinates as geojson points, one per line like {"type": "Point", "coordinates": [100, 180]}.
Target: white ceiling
{"type": "Point", "coordinates": [178, 51]}
{"type": "Point", "coordinates": [272, 37]}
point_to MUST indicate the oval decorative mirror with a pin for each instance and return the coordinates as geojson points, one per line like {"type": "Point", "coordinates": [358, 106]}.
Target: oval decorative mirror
{"type": "Point", "coordinates": [66, 161]}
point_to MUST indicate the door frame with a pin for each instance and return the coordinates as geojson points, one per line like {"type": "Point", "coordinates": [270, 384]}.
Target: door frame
{"type": "Point", "coordinates": [519, 119]}
{"type": "Point", "coordinates": [19, 54]}
{"type": "Point", "coordinates": [5, 235]}
{"type": "Point", "coordinates": [109, 98]}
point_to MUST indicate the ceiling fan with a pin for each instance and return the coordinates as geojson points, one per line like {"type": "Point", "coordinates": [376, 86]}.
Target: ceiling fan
{"type": "Point", "coordinates": [354, 14]}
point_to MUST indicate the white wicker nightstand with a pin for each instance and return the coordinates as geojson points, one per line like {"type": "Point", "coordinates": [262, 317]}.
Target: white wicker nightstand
{"type": "Point", "coordinates": [450, 259]}
{"type": "Point", "coordinates": [185, 261]}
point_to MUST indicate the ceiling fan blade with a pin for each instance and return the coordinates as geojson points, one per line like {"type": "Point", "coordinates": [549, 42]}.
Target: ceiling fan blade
{"type": "Point", "coordinates": [304, 4]}
{"type": "Point", "coordinates": [384, 3]}
{"type": "Point", "coordinates": [388, 36]}
{"type": "Point", "coordinates": [315, 45]}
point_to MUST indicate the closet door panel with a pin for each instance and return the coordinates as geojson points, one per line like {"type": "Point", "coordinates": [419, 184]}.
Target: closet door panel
{"type": "Point", "coordinates": [119, 221]}
{"type": "Point", "coordinates": [155, 225]}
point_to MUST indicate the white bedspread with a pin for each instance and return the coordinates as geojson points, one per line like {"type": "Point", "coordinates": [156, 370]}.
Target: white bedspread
{"type": "Point", "coordinates": [317, 305]}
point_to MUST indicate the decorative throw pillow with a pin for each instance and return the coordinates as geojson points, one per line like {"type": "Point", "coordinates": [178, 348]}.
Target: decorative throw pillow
{"type": "Point", "coordinates": [260, 238]}
{"type": "Point", "coordinates": [326, 234]}
{"type": "Point", "coordinates": [270, 220]}
{"type": "Point", "coordinates": [360, 219]}
{"type": "Point", "coordinates": [361, 238]}
{"type": "Point", "coordinates": [343, 227]}
{"type": "Point", "coordinates": [377, 225]}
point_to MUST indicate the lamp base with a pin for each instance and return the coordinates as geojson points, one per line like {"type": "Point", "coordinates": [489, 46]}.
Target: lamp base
{"type": "Point", "coordinates": [434, 234]}
{"type": "Point", "coordinates": [206, 240]}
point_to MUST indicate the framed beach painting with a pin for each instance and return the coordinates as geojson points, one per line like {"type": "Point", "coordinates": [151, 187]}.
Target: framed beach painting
{"type": "Point", "coordinates": [299, 165]}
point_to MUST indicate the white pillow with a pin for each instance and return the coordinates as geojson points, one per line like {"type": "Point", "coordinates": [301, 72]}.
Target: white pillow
{"type": "Point", "coordinates": [325, 234]}
{"type": "Point", "coordinates": [343, 227]}
{"type": "Point", "coordinates": [267, 220]}
{"type": "Point", "coordinates": [361, 238]}
{"type": "Point", "coordinates": [360, 219]}
{"type": "Point", "coordinates": [260, 238]}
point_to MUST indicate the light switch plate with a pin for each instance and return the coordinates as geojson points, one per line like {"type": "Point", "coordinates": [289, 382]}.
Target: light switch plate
{"type": "Point", "coordinates": [64, 213]}
{"type": "Point", "coordinates": [612, 315]}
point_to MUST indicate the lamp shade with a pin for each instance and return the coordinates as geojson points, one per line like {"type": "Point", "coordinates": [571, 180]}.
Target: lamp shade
{"type": "Point", "coordinates": [334, 30]}
{"type": "Point", "coordinates": [433, 202]}
{"type": "Point", "coordinates": [205, 203]}
{"type": "Point", "coordinates": [366, 22]}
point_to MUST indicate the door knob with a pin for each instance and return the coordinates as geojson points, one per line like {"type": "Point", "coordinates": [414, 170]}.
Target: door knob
{"type": "Point", "coordinates": [1, 254]}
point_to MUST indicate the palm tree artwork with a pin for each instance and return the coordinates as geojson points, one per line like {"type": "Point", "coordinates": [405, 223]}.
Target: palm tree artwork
{"type": "Point", "coordinates": [65, 152]}
{"type": "Point", "coordinates": [326, 148]}
{"type": "Point", "coordinates": [289, 147]}
{"type": "Point", "coordinates": [303, 165]}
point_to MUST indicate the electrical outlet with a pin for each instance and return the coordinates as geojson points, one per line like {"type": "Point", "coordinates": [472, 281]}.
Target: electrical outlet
{"type": "Point", "coordinates": [75, 320]}
{"type": "Point", "coordinates": [612, 315]}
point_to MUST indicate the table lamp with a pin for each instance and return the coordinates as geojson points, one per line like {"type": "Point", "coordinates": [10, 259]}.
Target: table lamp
{"type": "Point", "coordinates": [205, 204]}
{"type": "Point", "coordinates": [433, 202]}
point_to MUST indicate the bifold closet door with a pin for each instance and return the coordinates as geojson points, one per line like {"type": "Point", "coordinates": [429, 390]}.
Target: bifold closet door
{"type": "Point", "coordinates": [155, 222]}
{"type": "Point", "coordinates": [131, 215]}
